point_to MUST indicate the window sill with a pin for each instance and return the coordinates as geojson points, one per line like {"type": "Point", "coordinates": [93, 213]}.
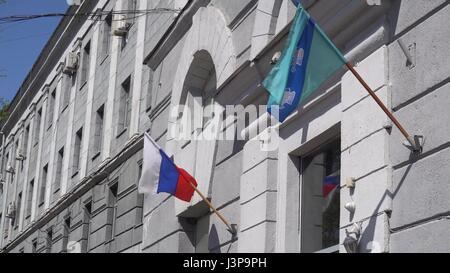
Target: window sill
{"type": "Point", "coordinates": [332, 249]}
{"type": "Point", "coordinates": [83, 85]}
{"type": "Point", "coordinates": [110, 241]}
{"type": "Point", "coordinates": [40, 204]}
{"type": "Point", "coordinates": [96, 155]}
{"type": "Point", "coordinates": [185, 144]}
{"type": "Point", "coordinates": [121, 132]}
{"type": "Point", "coordinates": [104, 59]}
{"type": "Point", "coordinates": [64, 108]}
{"type": "Point", "coordinates": [75, 173]}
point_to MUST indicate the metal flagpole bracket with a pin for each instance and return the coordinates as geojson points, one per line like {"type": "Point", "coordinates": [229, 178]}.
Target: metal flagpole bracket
{"type": "Point", "coordinates": [418, 141]}
{"type": "Point", "coordinates": [275, 58]}
{"type": "Point", "coordinates": [414, 143]}
{"type": "Point", "coordinates": [409, 52]}
{"type": "Point", "coordinates": [233, 230]}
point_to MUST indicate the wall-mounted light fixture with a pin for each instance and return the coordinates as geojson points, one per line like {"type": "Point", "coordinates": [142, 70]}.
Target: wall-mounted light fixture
{"type": "Point", "coordinates": [350, 206]}
{"type": "Point", "coordinates": [20, 156]}
{"type": "Point", "coordinates": [10, 169]}
{"type": "Point", "coordinates": [276, 57]}
{"type": "Point", "coordinates": [351, 240]}
{"type": "Point", "coordinates": [350, 182]}
{"type": "Point", "coordinates": [2, 183]}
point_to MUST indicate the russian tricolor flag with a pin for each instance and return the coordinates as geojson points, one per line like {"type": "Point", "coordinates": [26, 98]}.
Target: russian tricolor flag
{"type": "Point", "coordinates": [160, 174]}
{"type": "Point", "coordinates": [330, 183]}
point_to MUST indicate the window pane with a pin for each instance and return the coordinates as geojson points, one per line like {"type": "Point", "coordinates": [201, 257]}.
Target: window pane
{"type": "Point", "coordinates": [86, 227]}
{"type": "Point", "coordinates": [30, 197]}
{"type": "Point", "coordinates": [112, 204]}
{"type": "Point", "coordinates": [107, 35]}
{"type": "Point", "coordinates": [59, 163]}
{"type": "Point", "coordinates": [49, 241]}
{"type": "Point", "coordinates": [124, 106]}
{"type": "Point", "coordinates": [25, 140]}
{"type": "Point", "coordinates": [43, 185]}
{"type": "Point", "coordinates": [18, 208]}
{"type": "Point", "coordinates": [38, 126]}
{"type": "Point", "coordinates": [98, 133]}
{"type": "Point", "coordinates": [67, 87]}
{"type": "Point", "coordinates": [77, 150]}
{"type": "Point", "coordinates": [51, 105]}
{"type": "Point", "coordinates": [86, 62]}
{"type": "Point", "coordinates": [320, 199]}
{"type": "Point", "coordinates": [66, 232]}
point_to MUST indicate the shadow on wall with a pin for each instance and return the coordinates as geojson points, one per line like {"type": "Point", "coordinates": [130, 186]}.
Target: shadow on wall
{"type": "Point", "coordinates": [368, 234]}
{"type": "Point", "coordinates": [213, 240]}
{"type": "Point", "coordinates": [187, 225]}
{"type": "Point", "coordinates": [214, 243]}
{"type": "Point", "coordinates": [369, 230]}
{"type": "Point", "coordinates": [392, 18]}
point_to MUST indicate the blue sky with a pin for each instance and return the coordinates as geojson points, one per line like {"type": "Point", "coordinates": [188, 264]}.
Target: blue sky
{"type": "Point", "coordinates": [21, 42]}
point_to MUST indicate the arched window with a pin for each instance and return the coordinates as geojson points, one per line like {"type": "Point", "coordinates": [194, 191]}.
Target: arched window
{"type": "Point", "coordinates": [195, 152]}
{"type": "Point", "coordinates": [196, 113]}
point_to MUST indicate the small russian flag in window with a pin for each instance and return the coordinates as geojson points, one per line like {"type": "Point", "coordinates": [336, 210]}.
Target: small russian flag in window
{"type": "Point", "coordinates": [330, 183]}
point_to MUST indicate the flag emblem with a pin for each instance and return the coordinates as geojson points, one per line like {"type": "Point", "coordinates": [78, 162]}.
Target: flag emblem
{"type": "Point", "coordinates": [298, 59]}
{"type": "Point", "coordinates": [288, 98]}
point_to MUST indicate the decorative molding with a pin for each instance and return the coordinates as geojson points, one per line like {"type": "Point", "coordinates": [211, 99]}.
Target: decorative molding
{"type": "Point", "coordinates": [76, 47]}
{"type": "Point", "coordinates": [174, 33]}
{"type": "Point", "coordinates": [160, 107]}
{"type": "Point", "coordinates": [45, 91]}
{"type": "Point", "coordinates": [20, 125]}
{"type": "Point", "coordinates": [59, 68]}
{"type": "Point", "coordinates": [32, 107]}
{"type": "Point", "coordinates": [11, 137]}
{"type": "Point", "coordinates": [97, 15]}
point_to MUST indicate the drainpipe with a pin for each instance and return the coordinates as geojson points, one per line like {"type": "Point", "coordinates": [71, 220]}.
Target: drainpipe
{"type": "Point", "coordinates": [4, 189]}
{"type": "Point", "coordinates": [3, 152]}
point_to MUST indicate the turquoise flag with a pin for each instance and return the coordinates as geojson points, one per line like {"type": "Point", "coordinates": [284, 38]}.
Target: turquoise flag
{"type": "Point", "coordinates": [307, 61]}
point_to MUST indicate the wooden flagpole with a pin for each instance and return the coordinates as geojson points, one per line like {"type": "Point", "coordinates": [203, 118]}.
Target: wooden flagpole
{"type": "Point", "coordinates": [383, 107]}
{"type": "Point", "coordinates": [230, 229]}
{"type": "Point", "coordinates": [411, 141]}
